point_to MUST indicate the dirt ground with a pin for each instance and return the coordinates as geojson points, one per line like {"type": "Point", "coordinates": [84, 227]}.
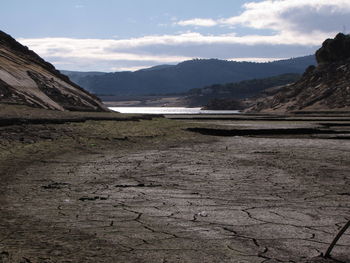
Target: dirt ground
{"type": "Point", "coordinates": [241, 199]}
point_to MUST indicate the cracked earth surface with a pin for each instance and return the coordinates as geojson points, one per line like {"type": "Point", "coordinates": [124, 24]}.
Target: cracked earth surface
{"type": "Point", "coordinates": [239, 199]}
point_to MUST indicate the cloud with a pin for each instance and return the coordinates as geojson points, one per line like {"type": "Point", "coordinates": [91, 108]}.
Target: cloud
{"type": "Point", "coordinates": [295, 27]}
{"type": "Point", "coordinates": [226, 50]}
{"type": "Point", "coordinates": [88, 64]}
{"type": "Point", "coordinates": [257, 60]}
{"type": "Point", "coordinates": [198, 22]}
{"type": "Point", "coordinates": [129, 68]}
{"type": "Point", "coordinates": [109, 54]}
{"type": "Point", "coordinates": [111, 48]}
{"type": "Point", "coordinates": [293, 15]}
{"type": "Point", "coordinates": [287, 17]}
{"type": "Point", "coordinates": [98, 49]}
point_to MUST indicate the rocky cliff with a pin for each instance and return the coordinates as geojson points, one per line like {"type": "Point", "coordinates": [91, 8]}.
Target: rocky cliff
{"type": "Point", "coordinates": [25, 78]}
{"type": "Point", "coordinates": [325, 87]}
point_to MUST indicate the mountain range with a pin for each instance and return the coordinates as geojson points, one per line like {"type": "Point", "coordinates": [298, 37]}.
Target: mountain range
{"type": "Point", "coordinates": [180, 78]}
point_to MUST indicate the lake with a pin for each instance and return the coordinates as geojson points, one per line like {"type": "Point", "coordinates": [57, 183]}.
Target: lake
{"type": "Point", "coordinates": [170, 110]}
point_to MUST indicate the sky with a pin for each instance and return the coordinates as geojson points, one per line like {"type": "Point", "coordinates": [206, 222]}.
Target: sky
{"type": "Point", "coordinates": [118, 35]}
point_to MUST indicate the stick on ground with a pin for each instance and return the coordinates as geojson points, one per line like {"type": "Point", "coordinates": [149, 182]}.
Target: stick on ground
{"type": "Point", "coordinates": [335, 240]}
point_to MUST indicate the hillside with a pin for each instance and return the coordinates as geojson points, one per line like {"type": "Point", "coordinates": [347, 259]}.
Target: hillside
{"type": "Point", "coordinates": [25, 78]}
{"type": "Point", "coordinates": [325, 87]}
{"type": "Point", "coordinates": [187, 75]}
{"type": "Point", "coordinates": [219, 96]}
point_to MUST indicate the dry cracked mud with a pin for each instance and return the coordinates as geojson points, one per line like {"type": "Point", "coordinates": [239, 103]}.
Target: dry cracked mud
{"type": "Point", "coordinates": [239, 199]}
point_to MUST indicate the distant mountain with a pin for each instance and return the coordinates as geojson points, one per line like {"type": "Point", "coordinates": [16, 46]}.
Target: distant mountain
{"type": "Point", "coordinates": [198, 73]}
{"type": "Point", "coordinates": [79, 77]}
{"type": "Point", "coordinates": [25, 78]}
{"type": "Point", "coordinates": [325, 87]}
{"type": "Point", "coordinates": [156, 67]}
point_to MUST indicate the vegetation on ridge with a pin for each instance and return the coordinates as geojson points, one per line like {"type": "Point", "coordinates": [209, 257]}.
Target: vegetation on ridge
{"type": "Point", "coordinates": [226, 96]}
{"type": "Point", "coordinates": [187, 75]}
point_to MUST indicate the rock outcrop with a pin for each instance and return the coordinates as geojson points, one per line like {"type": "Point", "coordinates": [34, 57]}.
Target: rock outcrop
{"type": "Point", "coordinates": [334, 50]}
{"type": "Point", "coordinates": [25, 78]}
{"type": "Point", "coordinates": [322, 88]}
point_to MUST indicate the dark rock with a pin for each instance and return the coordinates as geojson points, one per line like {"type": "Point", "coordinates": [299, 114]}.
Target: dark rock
{"type": "Point", "coordinates": [25, 260]}
{"type": "Point", "coordinates": [334, 50]}
{"type": "Point", "coordinates": [55, 186]}
{"type": "Point", "coordinates": [94, 198]}
{"type": "Point", "coordinates": [224, 104]}
{"type": "Point", "coordinates": [136, 185]}
{"type": "Point", "coordinates": [4, 257]}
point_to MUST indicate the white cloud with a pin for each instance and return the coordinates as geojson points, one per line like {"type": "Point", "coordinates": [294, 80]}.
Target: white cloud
{"type": "Point", "coordinates": [304, 24]}
{"type": "Point", "coordinates": [257, 60]}
{"type": "Point", "coordinates": [110, 48]}
{"type": "Point", "coordinates": [288, 18]}
{"type": "Point", "coordinates": [97, 49]}
{"type": "Point", "coordinates": [293, 15]}
{"type": "Point", "coordinates": [198, 22]}
{"type": "Point", "coordinates": [129, 68]}
{"type": "Point", "coordinates": [104, 54]}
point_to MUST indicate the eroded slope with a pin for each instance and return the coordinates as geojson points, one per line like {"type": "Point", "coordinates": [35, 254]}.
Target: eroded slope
{"type": "Point", "coordinates": [27, 79]}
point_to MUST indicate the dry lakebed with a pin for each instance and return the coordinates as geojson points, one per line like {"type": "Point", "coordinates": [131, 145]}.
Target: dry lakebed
{"type": "Point", "coordinates": [115, 191]}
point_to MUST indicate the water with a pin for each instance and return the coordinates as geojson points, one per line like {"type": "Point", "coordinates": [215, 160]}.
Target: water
{"type": "Point", "coordinates": [170, 110]}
